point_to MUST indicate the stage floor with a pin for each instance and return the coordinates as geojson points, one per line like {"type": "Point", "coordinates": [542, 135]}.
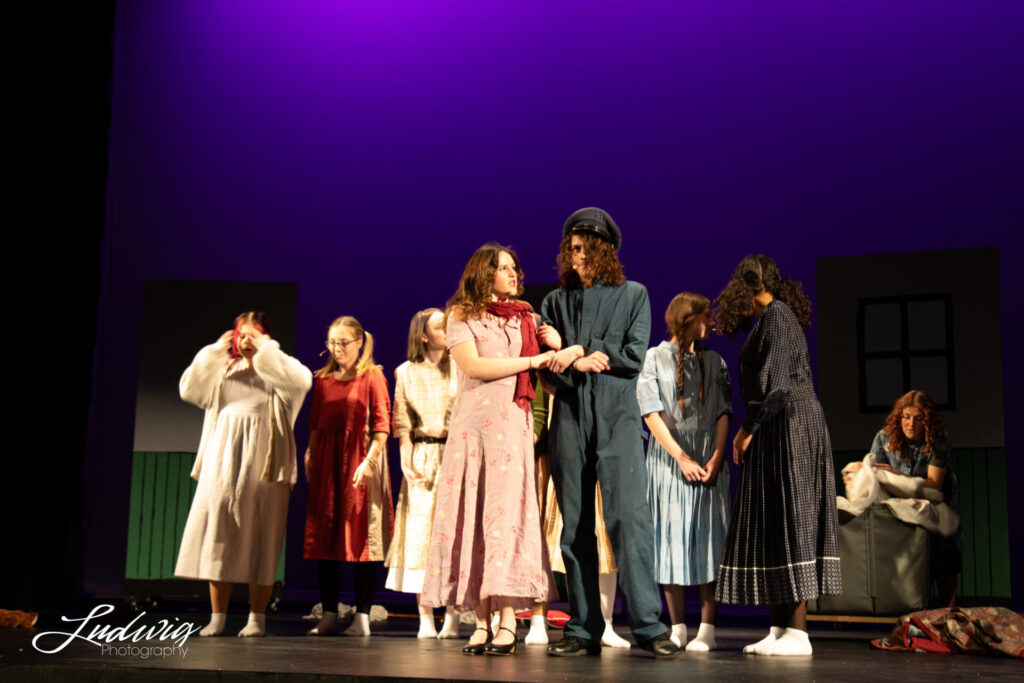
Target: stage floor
{"type": "Point", "coordinates": [393, 653]}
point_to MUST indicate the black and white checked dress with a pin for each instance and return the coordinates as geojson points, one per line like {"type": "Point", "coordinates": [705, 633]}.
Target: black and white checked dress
{"type": "Point", "coordinates": [783, 544]}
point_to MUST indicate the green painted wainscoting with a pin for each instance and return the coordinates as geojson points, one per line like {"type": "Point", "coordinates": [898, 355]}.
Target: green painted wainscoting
{"type": "Point", "coordinates": [161, 494]}
{"type": "Point", "coordinates": [984, 517]}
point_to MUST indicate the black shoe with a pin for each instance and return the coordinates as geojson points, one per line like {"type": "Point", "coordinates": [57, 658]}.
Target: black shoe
{"type": "Point", "coordinates": [574, 646]}
{"type": "Point", "coordinates": [661, 646]}
{"type": "Point", "coordinates": [477, 649]}
{"type": "Point", "coordinates": [509, 649]}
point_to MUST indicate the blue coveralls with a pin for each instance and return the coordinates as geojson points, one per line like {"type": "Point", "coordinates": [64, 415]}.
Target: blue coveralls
{"type": "Point", "coordinates": [596, 435]}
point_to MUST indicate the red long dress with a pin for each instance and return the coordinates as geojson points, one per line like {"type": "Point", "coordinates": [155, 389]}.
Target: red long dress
{"type": "Point", "coordinates": [340, 524]}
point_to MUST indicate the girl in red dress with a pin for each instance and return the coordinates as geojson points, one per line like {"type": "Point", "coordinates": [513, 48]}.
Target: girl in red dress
{"type": "Point", "coordinates": [349, 516]}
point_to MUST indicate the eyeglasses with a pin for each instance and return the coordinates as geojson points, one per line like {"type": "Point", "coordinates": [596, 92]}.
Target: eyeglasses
{"type": "Point", "coordinates": [339, 344]}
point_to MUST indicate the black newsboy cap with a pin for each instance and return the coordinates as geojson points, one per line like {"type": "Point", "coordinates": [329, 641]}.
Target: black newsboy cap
{"type": "Point", "coordinates": [595, 221]}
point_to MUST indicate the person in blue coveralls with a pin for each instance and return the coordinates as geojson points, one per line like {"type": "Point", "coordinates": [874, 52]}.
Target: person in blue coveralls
{"type": "Point", "coordinates": [596, 436]}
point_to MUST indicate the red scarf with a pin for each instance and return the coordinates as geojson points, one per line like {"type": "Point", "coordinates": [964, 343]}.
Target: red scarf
{"type": "Point", "coordinates": [506, 310]}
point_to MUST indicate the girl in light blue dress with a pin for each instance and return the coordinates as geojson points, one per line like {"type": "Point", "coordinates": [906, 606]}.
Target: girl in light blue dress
{"type": "Point", "coordinates": [684, 395]}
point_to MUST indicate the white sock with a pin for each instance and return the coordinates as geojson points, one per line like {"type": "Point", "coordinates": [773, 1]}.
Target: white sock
{"type": "Point", "coordinates": [773, 633]}
{"type": "Point", "coordinates": [538, 634]}
{"type": "Point", "coordinates": [612, 639]}
{"type": "Point", "coordinates": [792, 642]}
{"type": "Point", "coordinates": [216, 625]}
{"type": "Point", "coordinates": [256, 626]}
{"type": "Point", "coordinates": [705, 639]}
{"type": "Point", "coordinates": [450, 627]}
{"type": "Point", "coordinates": [427, 627]}
{"type": "Point", "coordinates": [360, 625]}
{"type": "Point", "coordinates": [495, 622]}
{"type": "Point", "coordinates": [678, 635]}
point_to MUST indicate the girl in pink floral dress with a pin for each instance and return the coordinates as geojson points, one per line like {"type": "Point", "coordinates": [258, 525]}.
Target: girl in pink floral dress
{"type": "Point", "coordinates": [486, 551]}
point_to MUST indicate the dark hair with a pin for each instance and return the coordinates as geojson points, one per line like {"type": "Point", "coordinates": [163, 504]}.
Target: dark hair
{"type": "Point", "coordinates": [933, 423]}
{"type": "Point", "coordinates": [601, 257]}
{"type": "Point", "coordinates": [683, 310]}
{"type": "Point", "coordinates": [734, 306]}
{"type": "Point", "coordinates": [256, 319]}
{"type": "Point", "coordinates": [417, 349]}
{"type": "Point", "coordinates": [477, 282]}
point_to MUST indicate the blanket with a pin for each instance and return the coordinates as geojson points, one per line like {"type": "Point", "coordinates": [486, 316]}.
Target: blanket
{"type": "Point", "coordinates": [907, 497]}
{"type": "Point", "coordinates": [965, 630]}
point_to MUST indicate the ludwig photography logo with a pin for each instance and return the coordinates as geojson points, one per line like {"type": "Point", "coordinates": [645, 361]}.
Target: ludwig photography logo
{"type": "Point", "coordinates": [131, 640]}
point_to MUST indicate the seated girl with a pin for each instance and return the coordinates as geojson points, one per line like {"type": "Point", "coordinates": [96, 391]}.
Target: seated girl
{"type": "Point", "coordinates": [913, 442]}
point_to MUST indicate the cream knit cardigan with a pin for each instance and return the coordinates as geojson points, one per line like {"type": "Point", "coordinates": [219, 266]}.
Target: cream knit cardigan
{"type": "Point", "coordinates": [288, 381]}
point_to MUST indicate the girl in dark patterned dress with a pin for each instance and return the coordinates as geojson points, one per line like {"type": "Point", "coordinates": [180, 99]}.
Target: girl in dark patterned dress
{"type": "Point", "coordinates": [783, 547]}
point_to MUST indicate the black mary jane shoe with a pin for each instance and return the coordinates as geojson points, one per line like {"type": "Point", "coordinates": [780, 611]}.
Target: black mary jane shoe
{"type": "Point", "coordinates": [661, 646]}
{"type": "Point", "coordinates": [509, 649]}
{"type": "Point", "coordinates": [477, 649]}
{"type": "Point", "coordinates": [574, 646]}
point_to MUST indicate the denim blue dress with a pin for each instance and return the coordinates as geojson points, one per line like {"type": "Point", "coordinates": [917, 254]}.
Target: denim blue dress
{"type": "Point", "coordinates": [691, 519]}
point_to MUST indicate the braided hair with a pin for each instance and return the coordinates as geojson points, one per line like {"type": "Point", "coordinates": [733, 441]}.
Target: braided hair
{"type": "Point", "coordinates": [682, 311]}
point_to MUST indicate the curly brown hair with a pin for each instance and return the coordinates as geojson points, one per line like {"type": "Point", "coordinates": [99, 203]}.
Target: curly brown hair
{"type": "Point", "coordinates": [734, 306]}
{"type": "Point", "coordinates": [477, 282]}
{"type": "Point", "coordinates": [683, 310]}
{"type": "Point", "coordinates": [934, 426]}
{"type": "Point", "coordinates": [601, 256]}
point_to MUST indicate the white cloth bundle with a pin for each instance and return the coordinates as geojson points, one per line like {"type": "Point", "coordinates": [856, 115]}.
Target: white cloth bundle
{"type": "Point", "coordinates": [907, 497]}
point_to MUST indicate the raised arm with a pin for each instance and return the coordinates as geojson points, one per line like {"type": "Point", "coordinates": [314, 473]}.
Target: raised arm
{"type": "Point", "coordinates": [286, 376]}
{"type": "Point", "coordinates": [198, 384]}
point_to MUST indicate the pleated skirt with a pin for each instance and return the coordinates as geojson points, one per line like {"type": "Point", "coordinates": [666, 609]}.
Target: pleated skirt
{"type": "Point", "coordinates": [783, 542]}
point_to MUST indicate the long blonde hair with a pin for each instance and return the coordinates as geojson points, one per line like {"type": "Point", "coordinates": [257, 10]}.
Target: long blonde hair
{"type": "Point", "coordinates": [365, 363]}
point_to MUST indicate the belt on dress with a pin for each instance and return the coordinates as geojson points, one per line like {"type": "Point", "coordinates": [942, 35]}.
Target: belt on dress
{"type": "Point", "coordinates": [430, 439]}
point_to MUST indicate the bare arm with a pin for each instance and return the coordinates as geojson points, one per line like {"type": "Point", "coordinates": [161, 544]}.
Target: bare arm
{"type": "Point", "coordinates": [470, 362]}
{"type": "Point", "coordinates": [549, 337]}
{"type": "Point", "coordinates": [363, 473]}
{"type": "Point", "coordinates": [309, 449]}
{"type": "Point", "coordinates": [660, 431]}
{"type": "Point", "coordinates": [714, 465]}
{"type": "Point", "coordinates": [405, 451]}
{"type": "Point", "coordinates": [564, 358]}
{"type": "Point", "coordinates": [401, 426]}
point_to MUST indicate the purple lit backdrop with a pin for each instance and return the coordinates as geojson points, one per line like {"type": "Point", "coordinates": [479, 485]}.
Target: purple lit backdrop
{"type": "Point", "coordinates": [363, 150]}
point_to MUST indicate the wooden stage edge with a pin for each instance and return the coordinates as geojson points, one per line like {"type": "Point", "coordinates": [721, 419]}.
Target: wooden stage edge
{"type": "Point", "coordinates": [842, 651]}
